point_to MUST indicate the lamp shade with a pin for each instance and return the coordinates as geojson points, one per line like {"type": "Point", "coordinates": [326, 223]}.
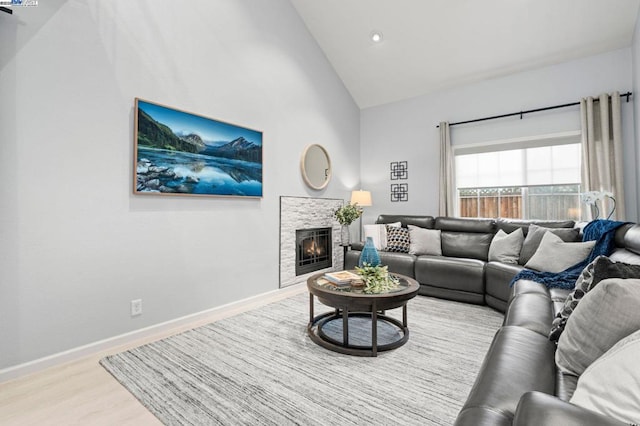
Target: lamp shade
{"type": "Point", "coordinates": [362, 198]}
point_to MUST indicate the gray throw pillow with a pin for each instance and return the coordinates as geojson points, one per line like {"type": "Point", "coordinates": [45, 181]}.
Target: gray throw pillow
{"type": "Point", "coordinates": [535, 234]}
{"type": "Point", "coordinates": [424, 241]}
{"type": "Point", "coordinates": [611, 384]}
{"type": "Point", "coordinates": [600, 269]}
{"type": "Point", "coordinates": [554, 255]}
{"type": "Point", "coordinates": [607, 314]}
{"type": "Point", "coordinates": [505, 247]}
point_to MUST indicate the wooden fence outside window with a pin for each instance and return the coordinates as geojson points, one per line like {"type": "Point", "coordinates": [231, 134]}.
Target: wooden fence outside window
{"type": "Point", "coordinates": [541, 202]}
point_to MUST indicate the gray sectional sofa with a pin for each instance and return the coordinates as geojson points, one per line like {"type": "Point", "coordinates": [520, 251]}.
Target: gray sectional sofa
{"type": "Point", "coordinates": [463, 272]}
{"type": "Point", "coordinates": [518, 383]}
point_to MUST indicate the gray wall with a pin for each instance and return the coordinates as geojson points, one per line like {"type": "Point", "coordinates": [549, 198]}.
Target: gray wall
{"type": "Point", "coordinates": [75, 245]}
{"type": "Point", "coordinates": [406, 130]}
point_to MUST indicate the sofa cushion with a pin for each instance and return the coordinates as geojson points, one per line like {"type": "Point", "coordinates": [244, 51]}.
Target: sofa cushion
{"type": "Point", "coordinates": [497, 277]}
{"type": "Point", "coordinates": [534, 237]}
{"type": "Point", "coordinates": [465, 237]}
{"type": "Point", "coordinates": [557, 295]}
{"type": "Point", "coordinates": [537, 408]}
{"type": "Point", "coordinates": [611, 384]}
{"type": "Point", "coordinates": [528, 286]}
{"type": "Point", "coordinates": [451, 273]}
{"type": "Point", "coordinates": [601, 268]}
{"type": "Point", "coordinates": [465, 224]}
{"type": "Point", "coordinates": [510, 225]}
{"type": "Point", "coordinates": [421, 221]}
{"type": "Point", "coordinates": [505, 247]}
{"type": "Point", "coordinates": [555, 255]}
{"type": "Point", "coordinates": [424, 241]}
{"type": "Point", "coordinates": [607, 314]}
{"type": "Point", "coordinates": [400, 263]}
{"type": "Point", "coordinates": [397, 239]}
{"type": "Point", "coordinates": [533, 311]}
{"type": "Point", "coordinates": [466, 244]}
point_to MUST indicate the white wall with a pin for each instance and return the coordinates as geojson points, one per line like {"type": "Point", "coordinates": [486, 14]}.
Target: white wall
{"type": "Point", "coordinates": [635, 54]}
{"type": "Point", "coordinates": [75, 245]}
{"type": "Point", "coordinates": [406, 130]}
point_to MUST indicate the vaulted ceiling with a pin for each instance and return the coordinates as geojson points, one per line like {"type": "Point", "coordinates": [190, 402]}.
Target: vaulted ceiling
{"type": "Point", "coordinates": [436, 44]}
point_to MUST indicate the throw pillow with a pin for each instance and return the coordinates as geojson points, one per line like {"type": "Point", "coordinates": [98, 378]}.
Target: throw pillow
{"type": "Point", "coordinates": [378, 234]}
{"type": "Point", "coordinates": [505, 247]}
{"type": "Point", "coordinates": [611, 385]}
{"type": "Point", "coordinates": [535, 234]}
{"type": "Point", "coordinates": [424, 241]}
{"type": "Point", "coordinates": [606, 315]}
{"type": "Point", "coordinates": [600, 269]}
{"type": "Point", "coordinates": [554, 255]}
{"type": "Point", "coordinates": [397, 239]}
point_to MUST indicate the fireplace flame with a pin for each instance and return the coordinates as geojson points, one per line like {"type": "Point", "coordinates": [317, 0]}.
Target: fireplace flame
{"type": "Point", "coordinates": [313, 249]}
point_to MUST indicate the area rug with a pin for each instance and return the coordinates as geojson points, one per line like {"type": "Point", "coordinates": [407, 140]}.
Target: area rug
{"type": "Point", "coordinates": [261, 368]}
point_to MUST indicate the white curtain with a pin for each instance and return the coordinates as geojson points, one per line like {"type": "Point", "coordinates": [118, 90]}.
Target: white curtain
{"type": "Point", "coordinates": [602, 153]}
{"type": "Point", "coordinates": [447, 188]}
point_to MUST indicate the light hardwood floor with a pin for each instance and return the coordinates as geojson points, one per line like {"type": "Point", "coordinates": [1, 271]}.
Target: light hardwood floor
{"type": "Point", "coordinates": [83, 393]}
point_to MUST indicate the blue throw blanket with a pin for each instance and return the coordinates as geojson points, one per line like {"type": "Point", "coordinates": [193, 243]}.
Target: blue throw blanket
{"type": "Point", "coordinates": [600, 230]}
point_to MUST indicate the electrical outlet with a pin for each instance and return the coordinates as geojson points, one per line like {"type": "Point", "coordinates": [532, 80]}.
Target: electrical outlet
{"type": "Point", "coordinates": [136, 307]}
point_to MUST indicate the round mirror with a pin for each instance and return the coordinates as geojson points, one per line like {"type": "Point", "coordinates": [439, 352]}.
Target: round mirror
{"type": "Point", "coordinates": [316, 166]}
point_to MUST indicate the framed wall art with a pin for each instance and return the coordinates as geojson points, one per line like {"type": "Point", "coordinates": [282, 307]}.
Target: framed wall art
{"type": "Point", "coordinates": [399, 170]}
{"type": "Point", "coordinates": [180, 153]}
{"type": "Point", "coordinates": [399, 192]}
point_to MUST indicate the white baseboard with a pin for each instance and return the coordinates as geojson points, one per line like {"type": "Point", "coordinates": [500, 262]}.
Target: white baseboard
{"type": "Point", "coordinates": [165, 328]}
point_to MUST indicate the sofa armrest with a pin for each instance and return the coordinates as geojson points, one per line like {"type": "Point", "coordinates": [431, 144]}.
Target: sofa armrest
{"type": "Point", "coordinates": [518, 361]}
{"type": "Point", "coordinates": [358, 245]}
{"type": "Point", "coordinates": [537, 408]}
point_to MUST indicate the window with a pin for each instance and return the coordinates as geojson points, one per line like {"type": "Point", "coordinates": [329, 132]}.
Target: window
{"type": "Point", "coordinates": [527, 179]}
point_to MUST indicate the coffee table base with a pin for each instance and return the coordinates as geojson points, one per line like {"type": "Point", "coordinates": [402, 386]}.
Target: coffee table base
{"type": "Point", "coordinates": [320, 337]}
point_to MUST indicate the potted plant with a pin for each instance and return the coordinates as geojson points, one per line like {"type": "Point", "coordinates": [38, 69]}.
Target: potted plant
{"type": "Point", "coordinates": [377, 279]}
{"type": "Point", "coordinates": [346, 215]}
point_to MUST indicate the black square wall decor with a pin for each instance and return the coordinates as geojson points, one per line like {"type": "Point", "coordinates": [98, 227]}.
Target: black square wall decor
{"type": "Point", "coordinates": [399, 192]}
{"type": "Point", "coordinates": [399, 170]}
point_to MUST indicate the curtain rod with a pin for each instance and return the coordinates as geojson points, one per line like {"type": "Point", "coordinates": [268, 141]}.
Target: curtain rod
{"type": "Point", "coordinates": [521, 113]}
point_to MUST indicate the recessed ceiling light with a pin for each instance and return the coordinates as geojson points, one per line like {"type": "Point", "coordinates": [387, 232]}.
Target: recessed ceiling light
{"type": "Point", "coordinates": [376, 36]}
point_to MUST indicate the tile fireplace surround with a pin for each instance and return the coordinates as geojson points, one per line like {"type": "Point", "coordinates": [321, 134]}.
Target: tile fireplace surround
{"type": "Point", "coordinates": [306, 213]}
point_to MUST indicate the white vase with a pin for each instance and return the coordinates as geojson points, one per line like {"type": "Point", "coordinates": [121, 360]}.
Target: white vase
{"type": "Point", "coordinates": [345, 235]}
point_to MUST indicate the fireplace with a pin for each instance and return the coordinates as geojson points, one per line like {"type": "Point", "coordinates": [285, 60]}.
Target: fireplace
{"type": "Point", "coordinates": [306, 213]}
{"type": "Point", "coordinates": [313, 250]}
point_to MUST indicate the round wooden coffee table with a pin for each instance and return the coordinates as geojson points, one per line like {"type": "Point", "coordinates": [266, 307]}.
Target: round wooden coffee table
{"type": "Point", "coordinates": [357, 310]}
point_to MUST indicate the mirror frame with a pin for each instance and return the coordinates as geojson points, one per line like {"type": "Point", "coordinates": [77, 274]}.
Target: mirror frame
{"type": "Point", "coordinates": [303, 169]}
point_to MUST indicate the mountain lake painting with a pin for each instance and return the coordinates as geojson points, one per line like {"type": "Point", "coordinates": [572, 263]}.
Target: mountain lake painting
{"type": "Point", "coordinates": [179, 153]}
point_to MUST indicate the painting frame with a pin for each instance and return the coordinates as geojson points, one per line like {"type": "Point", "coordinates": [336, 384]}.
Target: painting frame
{"type": "Point", "coordinates": [180, 153]}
